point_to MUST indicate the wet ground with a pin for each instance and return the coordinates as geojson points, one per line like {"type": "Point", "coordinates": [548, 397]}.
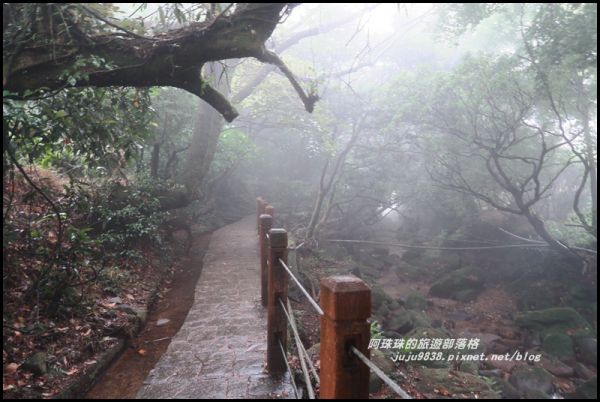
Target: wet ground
{"type": "Point", "coordinates": [126, 375]}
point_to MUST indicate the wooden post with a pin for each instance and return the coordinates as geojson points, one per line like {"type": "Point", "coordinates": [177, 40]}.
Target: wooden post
{"type": "Point", "coordinates": [277, 286]}
{"type": "Point", "coordinates": [269, 210]}
{"type": "Point", "coordinates": [260, 209]}
{"type": "Point", "coordinates": [266, 222]}
{"type": "Point", "coordinates": [346, 303]}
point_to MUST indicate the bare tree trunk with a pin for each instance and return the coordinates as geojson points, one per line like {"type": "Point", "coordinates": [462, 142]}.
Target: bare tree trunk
{"type": "Point", "coordinates": [205, 137]}
{"type": "Point", "coordinates": [589, 150]}
{"type": "Point", "coordinates": [154, 160]}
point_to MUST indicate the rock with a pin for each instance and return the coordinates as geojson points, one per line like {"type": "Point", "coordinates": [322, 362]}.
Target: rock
{"type": "Point", "coordinates": [462, 283]}
{"type": "Point", "coordinates": [162, 321]}
{"type": "Point", "coordinates": [458, 384]}
{"type": "Point", "coordinates": [469, 367]}
{"type": "Point", "coordinates": [375, 383]}
{"type": "Point", "coordinates": [314, 350]}
{"type": "Point", "coordinates": [505, 365]}
{"type": "Point", "coordinates": [416, 301]}
{"type": "Point", "coordinates": [452, 261]}
{"type": "Point", "coordinates": [379, 297]}
{"type": "Point", "coordinates": [587, 350]}
{"type": "Point", "coordinates": [558, 319]}
{"type": "Point", "coordinates": [507, 390]}
{"type": "Point", "coordinates": [36, 363]}
{"type": "Point", "coordinates": [382, 361]}
{"type": "Point", "coordinates": [536, 394]}
{"type": "Point", "coordinates": [587, 390]}
{"type": "Point", "coordinates": [407, 321]}
{"type": "Point", "coordinates": [583, 372]}
{"type": "Point", "coordinates": [527, 378]}
{"type": "Point", "coordinates": [116, 300]}
{"type": "Point", "coordinates": [556, 367]}
{"type": "Point", "coordinates": [356, 272]}
{"type": "Point", "coordinates": [382, 312]}
{"type": "Point", "coordinates": [491, 373]}
{"type": "Point", "coordinates": [559, 345]}
{"type": "Point", "coordinates": [140, 312]}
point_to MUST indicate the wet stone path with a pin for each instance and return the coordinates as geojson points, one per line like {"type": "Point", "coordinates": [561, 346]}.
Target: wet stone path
{"type": "Point", "coordinates": [220, 350]}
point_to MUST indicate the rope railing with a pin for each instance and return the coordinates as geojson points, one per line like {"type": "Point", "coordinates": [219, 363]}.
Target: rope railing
{"type": "Point", "coordinates": [308, 296]}
{"type": "Point", "coordinates": [345, 306]}
{"type": "Point", "coordinates": [301, 350]}
{"type": "Point", "coordinates": [289, 313]}
{"type": "Point", "coordinates": [395, 387]}
{"type": "Point", "coordinates": [294, 387]}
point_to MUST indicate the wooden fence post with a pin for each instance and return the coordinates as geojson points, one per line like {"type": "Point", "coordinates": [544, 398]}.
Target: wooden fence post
{"type": "Point", "coordinates": [269, 210]}
{"type": "Point", "coordinates": [277, 286]}
{"type": "Point", "coordinates": [266, 222]}
{"type": "Point", "coordinates": [346, 303]}
{"type": "Point", "coordinates": [260, 209]}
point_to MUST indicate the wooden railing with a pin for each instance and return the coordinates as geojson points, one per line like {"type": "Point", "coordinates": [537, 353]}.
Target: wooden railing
{"type": "Point", "coordinates": [345, 306]}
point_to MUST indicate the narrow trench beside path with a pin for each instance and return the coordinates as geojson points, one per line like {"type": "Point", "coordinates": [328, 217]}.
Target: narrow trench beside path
{"type": "Point", "coordinates": [220, 350]}
{"type": "Point", "coordinates": [127, 373]}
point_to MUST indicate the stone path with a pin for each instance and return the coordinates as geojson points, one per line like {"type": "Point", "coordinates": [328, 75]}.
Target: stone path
{"type": "Point", "coordinates": [220, 350]}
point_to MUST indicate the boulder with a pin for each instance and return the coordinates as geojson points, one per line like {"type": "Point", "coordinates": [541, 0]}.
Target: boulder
{"type": "Point", "coordinates": [506, 389]}
{"type": "Point", "coordinates": [587, 350]}
{"type": "Point", "coordinates": [556, 367]}
{"type": "Point", "coordinates": [463, 284]}
{"type": "Point", "coordinates": [583, 372]}
{"type": "Point", "coordinates": [528, 379]}
{"type": "Point", "coordinates": [456, 383]}
{"type": "Point", "coordinates": [379, 297]}
{"type": "Point", "coordinates": [559, 345]}
{"type": "Point", "coordinates": [587, 390]}
{"type": "Point", "coordinates": [557, 319]}
{"type": "Point", "coordinates": [36, 363]}
{"type": "Point", "coordinates": [407, 321]}
{"type": "Point", "coordinates": [471, 367]}
{"type": "Point", "coordinates": [416, 301]}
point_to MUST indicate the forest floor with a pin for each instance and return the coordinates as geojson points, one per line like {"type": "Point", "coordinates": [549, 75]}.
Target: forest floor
{"type": "Point", "coordinates": [89, 303]}
{"type": "Point", "coordinates": [404, 307]}
{"type": "Point", "coordinates": [126, 374]}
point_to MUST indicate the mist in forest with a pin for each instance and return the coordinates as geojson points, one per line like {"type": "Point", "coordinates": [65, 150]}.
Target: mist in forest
{"type": "Point", "coordinates": [444, 154]}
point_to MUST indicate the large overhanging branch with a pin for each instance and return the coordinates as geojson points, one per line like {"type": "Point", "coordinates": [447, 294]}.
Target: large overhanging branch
{"type": "Point", "coordinates": [172, 59]}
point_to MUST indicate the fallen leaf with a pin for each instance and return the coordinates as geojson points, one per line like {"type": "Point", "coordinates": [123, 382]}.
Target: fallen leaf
{"type": "Point", "coordinates": [130, 296]}
{"type": "Point", "coordinates": [11, 368]}
{"type": "Point", "coordinates": [141, 352]}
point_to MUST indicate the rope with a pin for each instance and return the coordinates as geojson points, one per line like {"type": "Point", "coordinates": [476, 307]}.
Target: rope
{"type": "Point", "coordinates": [380, 374]}
{"type": "Point", "coordinates": [437, 248]}
{"type": "Point", "coordinates": [310, 299]}
{"type": "Point", "coordinates": [289, 314]}
{"type": "Point", "coordinates": [311, 392]}
{"type": "Point", "coordinates": [288, 369]}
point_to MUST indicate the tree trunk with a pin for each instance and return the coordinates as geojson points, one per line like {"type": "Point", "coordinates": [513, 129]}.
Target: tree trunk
{"type": "Point", "coordinates": [205, 138]}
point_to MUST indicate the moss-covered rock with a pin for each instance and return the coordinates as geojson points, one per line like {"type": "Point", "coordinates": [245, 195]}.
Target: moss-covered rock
{"type": "Point", "coordinates": [559, 344]}
{"type": "Point", "coordinates": [407, 321]}
{"type": "Point", "coordinates": [528, 379]}
{"type": "Point", "coordinates": [470, 367]}
{"type": "Point", "coordinates": [416, 301]}
{"type": "Point", "coordinates": [36, 363]}
{"type": "Point", "coordinates": [558, 319]}
{"type": "Point", "coordinates": [457, 384]}
{"type": "Point", "coordinates": [456, 283]}
{"type": "Point", "coordinates": [587, 390]}
{"type": "Point", "coordinates": [379, 297]}
{"type": "Point", "coordinates": [587, 350]}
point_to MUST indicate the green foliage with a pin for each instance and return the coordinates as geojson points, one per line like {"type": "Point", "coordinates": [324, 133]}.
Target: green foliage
{"type": "Point", "coordinates": [86, 130]}
{"type": "Point", "coordinates": [233, 146]}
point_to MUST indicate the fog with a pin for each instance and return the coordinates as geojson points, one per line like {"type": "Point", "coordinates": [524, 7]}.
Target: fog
{"type": "Point", "coordinates": [445, 154]}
